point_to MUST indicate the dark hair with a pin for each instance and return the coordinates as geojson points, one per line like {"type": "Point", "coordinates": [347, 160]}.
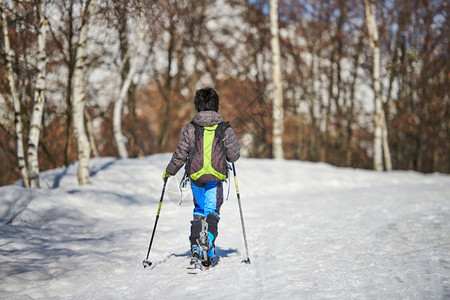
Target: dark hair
{"type": "Point", "coordinates": [206, 99]}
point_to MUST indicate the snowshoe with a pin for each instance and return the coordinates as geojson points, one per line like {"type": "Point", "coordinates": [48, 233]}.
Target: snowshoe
{"type": "Point", "coordinates": [204, 248]}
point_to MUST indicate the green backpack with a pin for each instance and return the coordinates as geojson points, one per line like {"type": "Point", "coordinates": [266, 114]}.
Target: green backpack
{"type": "Point", "coordinates": [208, 155]}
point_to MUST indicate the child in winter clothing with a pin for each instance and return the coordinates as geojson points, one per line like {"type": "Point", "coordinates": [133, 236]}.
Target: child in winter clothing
{"type": "Point", "coordinates": [206, 171]}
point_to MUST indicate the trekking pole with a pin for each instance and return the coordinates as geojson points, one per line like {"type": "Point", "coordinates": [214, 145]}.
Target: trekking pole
{"type": "Point", "coordinates": [146, 262]}
{"type": "Point", "coordinates": [247, 261]}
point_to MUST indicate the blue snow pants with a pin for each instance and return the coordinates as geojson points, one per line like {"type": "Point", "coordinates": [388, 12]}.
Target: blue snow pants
{"type": "Point", "coordinates": [207, 199]}
{"type": "Point", "coordinates": [207, 202]}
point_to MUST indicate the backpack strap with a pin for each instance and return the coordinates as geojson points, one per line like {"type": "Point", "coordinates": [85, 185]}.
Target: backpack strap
{"type": "Point", "coordinates": [220, 133]}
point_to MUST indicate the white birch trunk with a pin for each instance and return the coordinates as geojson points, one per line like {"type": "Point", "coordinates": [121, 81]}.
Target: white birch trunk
{"type": "Point", "coordinates": [79, 98]}
{"type": "Point", "coordinates": [39, 100]}
{"type": "Point", "coordinates": [15, 96]}
{"type": "Point", "coordinates": [278, 113]}
{"type": "Point", "coordinates": [118, 104]}
{"type": "Point", "coordinates": [117, 117]}
{"type": "Point", "coordinates": [379, 119]}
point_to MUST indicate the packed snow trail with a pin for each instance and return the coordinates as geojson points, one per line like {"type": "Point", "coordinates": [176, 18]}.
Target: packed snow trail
{"type": "Point", "coordinates": [314, 232]}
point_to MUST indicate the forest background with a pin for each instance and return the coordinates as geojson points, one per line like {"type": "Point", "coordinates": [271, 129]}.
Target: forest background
{"type": "Point", "coordinates": [125, 72]}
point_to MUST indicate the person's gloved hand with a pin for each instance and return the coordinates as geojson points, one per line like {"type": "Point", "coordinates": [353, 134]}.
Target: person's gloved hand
{"type": "Point", "coordinates": [165, 175]}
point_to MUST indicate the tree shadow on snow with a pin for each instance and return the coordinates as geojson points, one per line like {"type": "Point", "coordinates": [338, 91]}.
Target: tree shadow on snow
{"type": "Point", "coordinates": [107, 195]}
{"type": "Point", "coordinates": [108, 164]}
{"type": "Point", "coordinates": [46, 253]}
{"type": "Point", "coordinates": [58, 178]}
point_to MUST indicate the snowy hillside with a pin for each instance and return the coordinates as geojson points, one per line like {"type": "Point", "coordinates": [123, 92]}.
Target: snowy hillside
{"type": "Point", "coordinates": [314, 232]}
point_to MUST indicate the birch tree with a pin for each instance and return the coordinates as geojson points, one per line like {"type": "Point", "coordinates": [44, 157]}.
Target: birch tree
{"type": "Point", "coordinates": [123, 93]}
{"type": "Point", "coordinates": [39, 100]}
{"type": "Point", "coordinates": [79, 97]}
{"type": "Point", "coordinates": [380, 143]}
{"type": "Point", "coordinates": [278, 113]}
{"type": "Point", "coordinates": [15, 97]}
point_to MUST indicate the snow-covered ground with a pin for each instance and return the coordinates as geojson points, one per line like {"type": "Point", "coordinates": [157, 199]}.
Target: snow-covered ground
{"type": "Point", "coordinates": [314, 232]}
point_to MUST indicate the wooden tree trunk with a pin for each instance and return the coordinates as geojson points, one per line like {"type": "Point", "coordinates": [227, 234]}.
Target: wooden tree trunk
{"type": "Point", "coordinates": [278, 113]}
{"type": "Point", "coordinates": [39, 100]}
{"type": "Point", "coordinates": [90, 133]}
{"type": "Point", "coordinates": [69, 120]}
{"type": "Point", "coordinates": [386, 151]}
{"type": "Point", "coordinates": [79, 97]}
{"type": "Point", "coordinates": [15, 96]}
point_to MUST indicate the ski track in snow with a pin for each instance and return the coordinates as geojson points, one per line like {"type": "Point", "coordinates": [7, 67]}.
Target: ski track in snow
{"type": "Point", "coordinates": [314, 232]}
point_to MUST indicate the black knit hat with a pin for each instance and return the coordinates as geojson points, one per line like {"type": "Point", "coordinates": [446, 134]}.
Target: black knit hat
{"type": "Point", "coordinates": [206, 99]}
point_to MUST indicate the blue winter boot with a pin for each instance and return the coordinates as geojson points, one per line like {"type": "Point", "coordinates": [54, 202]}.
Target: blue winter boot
{"type": "Point", "coordinates": [211, 251]}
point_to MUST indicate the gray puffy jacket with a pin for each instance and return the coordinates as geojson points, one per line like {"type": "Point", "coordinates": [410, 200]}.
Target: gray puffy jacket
{"type": "Point", "coordinates": [187, 140]}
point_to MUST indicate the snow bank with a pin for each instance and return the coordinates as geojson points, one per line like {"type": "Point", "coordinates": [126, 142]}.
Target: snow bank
{"type": "Point", "coordinates": [314, 232]}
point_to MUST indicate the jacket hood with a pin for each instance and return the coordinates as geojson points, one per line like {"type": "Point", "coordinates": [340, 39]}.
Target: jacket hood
{"type": "Point", "coordinates": [207, 118]}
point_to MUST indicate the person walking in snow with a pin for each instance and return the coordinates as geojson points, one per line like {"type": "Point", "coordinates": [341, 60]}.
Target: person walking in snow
{"type": "Point", "coordinates": [205, 146]}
